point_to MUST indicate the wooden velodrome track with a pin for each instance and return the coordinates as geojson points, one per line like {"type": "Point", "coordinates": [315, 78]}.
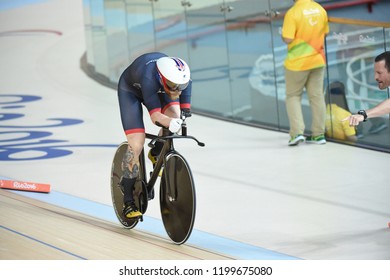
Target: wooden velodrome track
{"type": "Point", "coordinates": [31, 229]}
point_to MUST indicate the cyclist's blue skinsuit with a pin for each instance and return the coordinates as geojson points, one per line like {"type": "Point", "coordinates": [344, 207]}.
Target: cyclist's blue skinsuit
{"type": "Point", "coordinates": [139, 84]}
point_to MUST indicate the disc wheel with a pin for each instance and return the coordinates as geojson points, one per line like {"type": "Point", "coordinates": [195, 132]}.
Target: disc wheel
{"type": "Point", "coordinates": [177, 198]}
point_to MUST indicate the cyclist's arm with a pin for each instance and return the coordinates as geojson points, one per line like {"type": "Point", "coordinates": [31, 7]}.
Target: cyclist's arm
{"type": "Point", "coordinates": [185, 97]}
{"type": "Point", "coordinates": [159, 118]}
{"type": "Point", "coordinates": [151, 100]}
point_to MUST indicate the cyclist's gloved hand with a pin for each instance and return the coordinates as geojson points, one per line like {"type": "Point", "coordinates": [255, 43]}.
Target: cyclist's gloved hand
{"type": "Point", "coordinates": [175, 125]}
{"type": "Point", "coordinates": [186, 112]}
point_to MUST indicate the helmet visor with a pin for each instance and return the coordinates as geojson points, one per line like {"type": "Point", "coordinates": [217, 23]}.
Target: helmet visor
{"type": "Point", "coordinates": [173, 86]}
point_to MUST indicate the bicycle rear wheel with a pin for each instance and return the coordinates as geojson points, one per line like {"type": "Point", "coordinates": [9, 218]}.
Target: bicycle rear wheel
{"type": "Point", "coordinates": [177, 198]}
{"type": "Point", "coordinates": [140, 192]}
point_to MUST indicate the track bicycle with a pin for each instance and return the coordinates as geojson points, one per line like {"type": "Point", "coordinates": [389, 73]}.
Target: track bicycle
{"type": "Point", "coordinates": [177, 188]}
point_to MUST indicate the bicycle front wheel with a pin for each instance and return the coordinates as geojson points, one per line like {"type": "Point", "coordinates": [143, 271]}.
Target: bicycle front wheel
{"type": "Point", "coordinates": [177, 198]}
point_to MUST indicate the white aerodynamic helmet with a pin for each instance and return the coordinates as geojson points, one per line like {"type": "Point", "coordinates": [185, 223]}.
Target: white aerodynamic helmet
{"type": "Point", "coordinates": [174, 73]}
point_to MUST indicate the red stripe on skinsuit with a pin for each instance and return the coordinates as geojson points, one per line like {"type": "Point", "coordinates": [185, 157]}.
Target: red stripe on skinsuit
{"type": "Point", "coordinates": [135, 130]}
{"type": "Point", "coordinates": [154, 111]}
{"type": "Point", "coordinates": [185, 106]}
{"type": "Point", "coordinates": [169, 105]}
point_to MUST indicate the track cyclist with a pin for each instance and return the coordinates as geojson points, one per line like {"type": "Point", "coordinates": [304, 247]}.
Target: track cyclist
{"type": "Point", "coordinates": [163, 85]}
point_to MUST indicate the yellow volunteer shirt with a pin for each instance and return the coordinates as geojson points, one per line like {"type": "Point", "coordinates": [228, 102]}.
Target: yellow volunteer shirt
{"type": "Point", "coordinates": [306, 22]}
{"type": "Point", "coordinates": [335, 127]}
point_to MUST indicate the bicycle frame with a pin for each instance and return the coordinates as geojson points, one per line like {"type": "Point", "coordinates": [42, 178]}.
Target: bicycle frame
{"type": "Point", "coordinates": [167, 148]}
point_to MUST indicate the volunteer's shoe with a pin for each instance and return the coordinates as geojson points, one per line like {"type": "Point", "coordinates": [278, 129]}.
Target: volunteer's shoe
{"type": "Point", "coordinates": [319, 139]}
{"type": "Point", "coordinates": [131, 211]}
{"type": "Point", "coordinates": [295, 140]}
{"type": "Point", "coordinates": [154, 159]}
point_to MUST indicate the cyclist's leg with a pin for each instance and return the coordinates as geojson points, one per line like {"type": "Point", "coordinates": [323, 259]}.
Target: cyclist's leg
{"type": "Point", "coordinates": [130, 167]}
{"type": "Point", "coordinates": [132, 121]}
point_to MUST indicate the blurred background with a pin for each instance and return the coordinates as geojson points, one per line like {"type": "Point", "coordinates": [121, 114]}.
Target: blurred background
{"type": "Point", "coordinates": [236, 55]}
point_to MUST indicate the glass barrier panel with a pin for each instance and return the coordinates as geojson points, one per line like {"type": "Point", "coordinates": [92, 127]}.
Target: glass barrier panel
{"type": "Point", "coordinates": [252, 78]}
{"type": "Point", "coordinates": [351, 50]}
{"type": "Point", "coordinates": [171, 28]}
{"type": "Point", "coordinates": [140, 28]}
{"type": "Point", "coordinates": [99, 37]}
{"type": "Point", "coordinates": [88, 32]}
{"type": "Point", "coordinates": [209, 59]}
{"type": "Point", "coordinates": [116, 32]}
